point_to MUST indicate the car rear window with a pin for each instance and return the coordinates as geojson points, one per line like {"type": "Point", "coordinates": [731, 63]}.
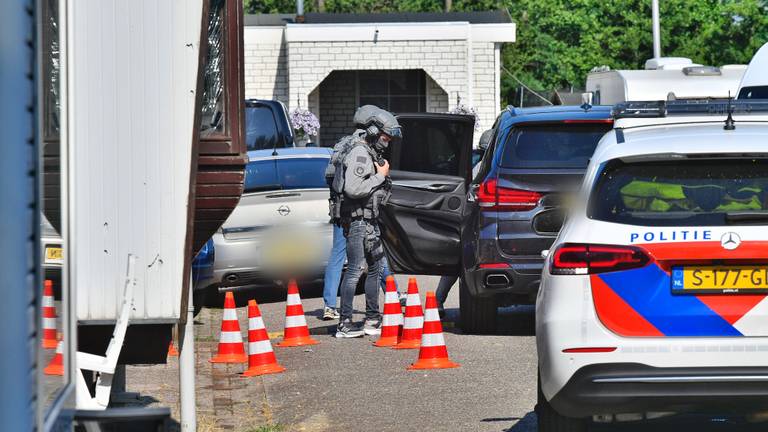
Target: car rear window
{"type": "Point", "coordinates": [286, 173]}
{"type": "Point", "coordinates": [552, 145]}
{"type": "Point", "coordinates": [756, 92]}
{"type": "Point", "coordinates": [261, 129]}
{"type": "Point", "coordinates": [683, 192]}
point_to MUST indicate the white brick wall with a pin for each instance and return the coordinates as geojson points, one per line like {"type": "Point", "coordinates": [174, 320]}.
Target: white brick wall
{"type": "Point", "coordinates": [294, 72]}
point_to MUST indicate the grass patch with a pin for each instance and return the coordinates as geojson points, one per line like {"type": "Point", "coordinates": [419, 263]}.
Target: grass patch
{"type": "Point", "coordinates": [269, 428]}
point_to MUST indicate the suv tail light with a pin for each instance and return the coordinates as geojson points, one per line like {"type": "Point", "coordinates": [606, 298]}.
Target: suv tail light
{"type": "Point", "coordinates": [492, 197]}
{"type": "Point", "coordinates": [570, 258]}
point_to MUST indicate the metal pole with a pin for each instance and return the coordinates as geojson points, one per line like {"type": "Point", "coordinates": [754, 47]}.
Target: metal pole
{"type": "Point", "coordinates": [656, 29]}
{"type": "Point", "coordinates": [187, 367]}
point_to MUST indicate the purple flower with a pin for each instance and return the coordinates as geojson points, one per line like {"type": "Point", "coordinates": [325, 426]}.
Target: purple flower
{"type": "Point", "coordinates": [304, 122]}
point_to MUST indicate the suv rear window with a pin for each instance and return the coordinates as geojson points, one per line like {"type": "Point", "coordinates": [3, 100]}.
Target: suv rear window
{"type": "Point", "coordinates": [683, 192]}
{"type": "Point", "coordinates": [552, 145]}
{"type": "Point", "coordinates": [288, 173]}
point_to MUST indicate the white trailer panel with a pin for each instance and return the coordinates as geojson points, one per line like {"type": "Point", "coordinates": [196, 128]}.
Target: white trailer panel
{"type": "Point", "coordinates": [132, 83]}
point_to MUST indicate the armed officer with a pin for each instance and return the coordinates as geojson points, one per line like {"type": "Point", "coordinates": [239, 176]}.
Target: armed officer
{"type": "Point", "coordinates": [359, 186]}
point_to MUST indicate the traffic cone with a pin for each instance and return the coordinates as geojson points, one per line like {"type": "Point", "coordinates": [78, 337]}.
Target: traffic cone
{"type": "Point", "coordinates": [56, 366]}
{"type": "Point", "coordinates": [230, 341]}
{"type": "Point", "coordinates": [391, 325]}
{"type": "Point", "coordinates": [414, 319]}
{"type": "Point", "coordinates": [261, 358]}
{"type": "Point", "coordinates": [296, 332]}
{"type": "Point", "coordinates": [49, 316]}
{"type": "Point", "coordinates": [433, 353]}
{"type": "Point", "coordinates": [172, 350]}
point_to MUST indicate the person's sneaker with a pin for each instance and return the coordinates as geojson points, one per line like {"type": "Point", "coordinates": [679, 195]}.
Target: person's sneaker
{"type": "Point", "coordinates": [347, 329]}
{"type": "Point", "coordinates": [330, 314]}
{"type": "Point", "coordinates": [372, 327]}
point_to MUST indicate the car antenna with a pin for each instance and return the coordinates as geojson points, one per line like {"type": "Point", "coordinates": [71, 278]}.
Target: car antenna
{"type": "Point", "coordinates": [729, 123]}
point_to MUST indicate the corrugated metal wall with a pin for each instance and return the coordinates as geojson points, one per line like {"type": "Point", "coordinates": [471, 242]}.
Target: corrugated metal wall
{"type": "Point", "coordinates": [18, 217]}
{"type": "Point", "coordinates": [133, 76]}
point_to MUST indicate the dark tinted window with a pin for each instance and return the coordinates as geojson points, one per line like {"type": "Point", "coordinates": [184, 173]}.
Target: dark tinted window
{"type": "Point", "coordinates": [682, 192]}
{"type": "Point", "coordinates": [757, 92]}
{"type": "Point", "coordinates": [288, 173]}
{"type": "Point", "coordinates": [552, 146]}
{"type": "Point", "coordinates": [261, 129]}
{"type": "Point", "coordinates": [432, 146]}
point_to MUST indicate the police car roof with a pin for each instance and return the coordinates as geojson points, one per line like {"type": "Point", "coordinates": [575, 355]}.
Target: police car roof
{"type": "Point", "coordinates": [676, 140]}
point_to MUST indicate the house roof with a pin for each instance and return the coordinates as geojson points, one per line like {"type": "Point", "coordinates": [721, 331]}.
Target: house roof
{"type": "Point", "coordinates": [485, 17]}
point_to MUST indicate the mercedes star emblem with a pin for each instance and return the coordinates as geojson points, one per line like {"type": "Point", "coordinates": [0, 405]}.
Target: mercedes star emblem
{"type": "Point", "coordinates": [730, 241]}
{"type": "Point", "coordinates": [284, 210]}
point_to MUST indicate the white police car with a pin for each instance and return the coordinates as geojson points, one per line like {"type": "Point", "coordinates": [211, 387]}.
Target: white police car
{"type": "Point", "coordinates": [653, 298]}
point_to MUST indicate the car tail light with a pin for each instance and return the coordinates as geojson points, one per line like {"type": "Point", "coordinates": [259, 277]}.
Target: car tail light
{"type": "Point", "coordinates": [492, 197]}
{"type": "Point", "coordinates": [570, 258]}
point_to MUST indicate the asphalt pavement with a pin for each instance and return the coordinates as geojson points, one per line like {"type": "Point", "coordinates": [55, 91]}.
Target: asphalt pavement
{"type": "Point", "coordinates": [348, 384]}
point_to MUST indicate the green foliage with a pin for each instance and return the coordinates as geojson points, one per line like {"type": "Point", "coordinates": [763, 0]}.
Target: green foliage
{"type": "Point", "coordinates": [559, 41]}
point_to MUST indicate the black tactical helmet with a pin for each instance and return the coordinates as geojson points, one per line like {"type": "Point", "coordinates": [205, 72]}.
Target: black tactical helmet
{"type": "Point", "coordinates": [375, 120]}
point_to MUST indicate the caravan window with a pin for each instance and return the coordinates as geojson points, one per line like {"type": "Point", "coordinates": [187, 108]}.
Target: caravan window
{"type": "Point", "coordinates": [755, 92]}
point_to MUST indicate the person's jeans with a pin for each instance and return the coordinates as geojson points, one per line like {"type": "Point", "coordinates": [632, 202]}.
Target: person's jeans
{"type": "Point", "coordinates": [444, 287]}
{"type": "Point", "coordinates": [358, 254]}
{"type": "Point", "coordinates": [336, 264]}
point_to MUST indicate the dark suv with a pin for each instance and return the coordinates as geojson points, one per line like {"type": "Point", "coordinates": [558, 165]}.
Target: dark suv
{"type": "Point", "coordinates": [491, 229]}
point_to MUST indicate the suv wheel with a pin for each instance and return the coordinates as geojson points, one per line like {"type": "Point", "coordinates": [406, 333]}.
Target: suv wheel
{"type": "Point", "coordinates": [552, 421]}
{"type": "Point", "coordinates": [478, 314]}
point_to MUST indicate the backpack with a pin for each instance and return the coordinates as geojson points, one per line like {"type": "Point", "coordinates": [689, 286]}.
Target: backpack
{"type": "Point", "coordinates": [334, 176]}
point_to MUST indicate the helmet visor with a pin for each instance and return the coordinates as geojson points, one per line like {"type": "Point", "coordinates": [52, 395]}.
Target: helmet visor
{"type": "Point", "coordinates": [394, 133]}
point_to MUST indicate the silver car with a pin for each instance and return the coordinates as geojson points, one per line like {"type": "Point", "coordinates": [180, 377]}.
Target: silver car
{"type": "Point", "coordinates": [280, 229]}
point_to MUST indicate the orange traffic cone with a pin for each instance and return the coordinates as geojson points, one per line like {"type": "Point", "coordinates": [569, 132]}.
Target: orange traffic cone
{"type": "Point", "coordinates": [393, 317]}
{"type": "Point", "coordinates": [172, 350]}
{"type": "Point", "coordinates": [261, 358]}
{"type": "Point", "coordinates": [296, 332]}
{"type": "Point", "coordinates": [433, 353]}
{"type": "Point", "coordinates": [49, 316]}
{"type": "Point", "coordinates": [414, 319]}
{"type": "Point", "coordinates": [230, 341]}
{"type": "Point", "coordinates": [56, 366]}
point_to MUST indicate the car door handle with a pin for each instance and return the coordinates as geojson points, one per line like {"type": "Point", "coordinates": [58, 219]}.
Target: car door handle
{"type": "Point", "coordinates": [431, 187]}
{"type": "Point", "coordinates": [432, 205]}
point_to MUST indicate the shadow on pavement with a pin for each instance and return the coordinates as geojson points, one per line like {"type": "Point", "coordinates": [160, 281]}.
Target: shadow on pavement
{"type": "Point", "coordinates": [511, 321]}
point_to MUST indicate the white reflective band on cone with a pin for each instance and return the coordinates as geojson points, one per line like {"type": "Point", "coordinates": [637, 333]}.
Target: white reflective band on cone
{"type": "Point", "coordinates": [413, 300]}
{"type": "Point", "coordinates": [230, 337]}
{"type": "Point", "coordinates": [293, 300]}
{"type": "Point", "coordinates": [47, 301]}
{"type": "Point", "coordinates": [391, 297]}
{"type": "Point", "coordinates": [229, 315]}
{"type": "Point", "coordinates": [49, 323]}
{"type": "Point", "coordinates": [60, 347]}
{"type": "Point", "coordinates": [431, 315]}
{"type": "Point", "coordinates": [432, 339]}
{"type": "Point", "coordinates": [413, 323]}
{"type": "Point", "coordinates": [295, 321]}
{"type": "Point", "coordinates": [259, 347]}
{"type": "Point", "coordinates": [392, 319]}
{"type": "Point", "coordinates": [255, 323]}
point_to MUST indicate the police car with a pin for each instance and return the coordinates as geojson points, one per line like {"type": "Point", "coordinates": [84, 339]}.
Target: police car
{"type": "Point", "coordinates": [653, 297]}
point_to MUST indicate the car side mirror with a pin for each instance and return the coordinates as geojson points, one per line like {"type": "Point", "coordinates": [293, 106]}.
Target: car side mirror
{"type": "Point", "coordinates": [311, 144]}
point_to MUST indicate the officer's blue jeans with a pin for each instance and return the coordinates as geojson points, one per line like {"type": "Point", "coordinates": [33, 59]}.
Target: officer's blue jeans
{"type": "Point", "coordinates": [357, 258]}
{"type": "Point", "coordinates": [335, 265]}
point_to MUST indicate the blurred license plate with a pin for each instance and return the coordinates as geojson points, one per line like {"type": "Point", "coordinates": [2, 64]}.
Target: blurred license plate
{"type": "Point", "coordinates": [720, 279]}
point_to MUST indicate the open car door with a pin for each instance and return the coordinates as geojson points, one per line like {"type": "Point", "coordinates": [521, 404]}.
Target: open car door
{"type": "Point", "coordinates": [430, 170]}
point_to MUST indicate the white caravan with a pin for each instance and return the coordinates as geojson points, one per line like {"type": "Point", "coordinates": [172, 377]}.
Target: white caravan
{"type": "Point", "coordinates": [754, 84]}
{"type": "Point", "coordinates": [661, 78]}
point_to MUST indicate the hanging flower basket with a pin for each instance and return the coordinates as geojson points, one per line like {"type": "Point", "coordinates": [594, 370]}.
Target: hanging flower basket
{"type": "Point", "coordinates": [304, 123]}
{"type": "Point", "coordinates": [467, 110]}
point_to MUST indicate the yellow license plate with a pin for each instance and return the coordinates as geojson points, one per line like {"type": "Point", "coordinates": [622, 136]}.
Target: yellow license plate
{"type": "Point", "coordinates": [54, 254]}
{"type": "Point", "coordinates": [720, 279]}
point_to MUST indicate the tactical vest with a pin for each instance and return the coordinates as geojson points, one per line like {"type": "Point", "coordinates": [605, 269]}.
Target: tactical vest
{"type": "Point", "coordinates": [340, 205]}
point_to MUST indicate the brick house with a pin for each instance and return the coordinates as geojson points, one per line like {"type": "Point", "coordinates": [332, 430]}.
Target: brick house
{"type": "Point", "coordinates": [404, 62]}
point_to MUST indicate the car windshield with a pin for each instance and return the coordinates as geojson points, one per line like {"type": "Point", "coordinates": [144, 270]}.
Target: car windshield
{"type": "Point", "coordinates": [286, 173]}
{"type": "Point", "coordinates": [261, 128]}
{"type": "Point", "coordinates": [683, 192]}
{"type": "Point", "coordinates": [552, 145]}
